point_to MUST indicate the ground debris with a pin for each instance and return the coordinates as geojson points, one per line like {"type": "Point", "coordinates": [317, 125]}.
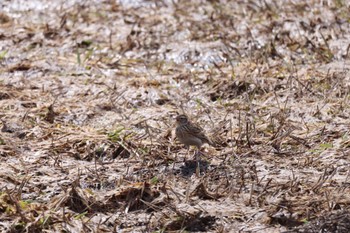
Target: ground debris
{"type": "Point", "coordinates": [89, 93]}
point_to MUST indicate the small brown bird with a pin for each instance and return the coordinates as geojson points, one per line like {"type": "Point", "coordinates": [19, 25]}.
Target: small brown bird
{"type": "Point", "coordinates": [189, 133]}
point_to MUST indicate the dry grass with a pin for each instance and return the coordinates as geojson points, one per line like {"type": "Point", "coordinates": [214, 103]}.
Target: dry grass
{"type": "Point", "coordinates": [88, 95]}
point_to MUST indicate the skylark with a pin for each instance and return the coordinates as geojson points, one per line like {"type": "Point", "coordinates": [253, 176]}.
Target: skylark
{"type": "Point", "coordinates": [189, 133]}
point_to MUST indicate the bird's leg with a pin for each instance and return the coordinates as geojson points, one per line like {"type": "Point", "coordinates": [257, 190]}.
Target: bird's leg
{"type": "Point", "coordinates": [197, 162]}
{"type": "Point", "coordinates": [188, 150]}
{"type": "Point", "coordinates": [195, 154]}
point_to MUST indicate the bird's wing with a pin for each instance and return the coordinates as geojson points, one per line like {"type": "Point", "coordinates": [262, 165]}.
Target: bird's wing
{"type": "Point", "coordinates": [197, 131]}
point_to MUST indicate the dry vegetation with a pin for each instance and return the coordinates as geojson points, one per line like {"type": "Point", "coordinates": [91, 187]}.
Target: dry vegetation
{"type": "Point", "coordinates": [88, 95]}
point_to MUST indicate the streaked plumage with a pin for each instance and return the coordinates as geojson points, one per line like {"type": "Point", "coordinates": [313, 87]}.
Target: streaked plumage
{"type": "Point", "coordinates": [189, 133]}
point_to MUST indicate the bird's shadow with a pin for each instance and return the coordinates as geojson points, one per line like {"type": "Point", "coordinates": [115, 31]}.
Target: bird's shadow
{"type": "Point", "coordinates": [189, 167]}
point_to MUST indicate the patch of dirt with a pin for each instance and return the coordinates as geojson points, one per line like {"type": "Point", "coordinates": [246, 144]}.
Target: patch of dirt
{"type": "Point", "coordinates": [89, 92]}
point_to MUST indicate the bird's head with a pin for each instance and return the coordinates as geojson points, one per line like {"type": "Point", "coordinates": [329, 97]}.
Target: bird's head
{"type": "Point", "coordinates": [181, 119]}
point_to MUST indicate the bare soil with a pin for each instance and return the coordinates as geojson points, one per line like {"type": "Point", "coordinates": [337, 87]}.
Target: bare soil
{"type": "Point", "coordinates": [89, 91]}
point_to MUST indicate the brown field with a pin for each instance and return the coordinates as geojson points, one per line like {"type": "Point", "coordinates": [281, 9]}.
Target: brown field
{"type": "Point", "coordinates": [89, 92]}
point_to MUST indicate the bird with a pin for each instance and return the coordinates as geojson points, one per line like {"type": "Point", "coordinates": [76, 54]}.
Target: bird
{"type": "Point", "coordinates": [189, 133]}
